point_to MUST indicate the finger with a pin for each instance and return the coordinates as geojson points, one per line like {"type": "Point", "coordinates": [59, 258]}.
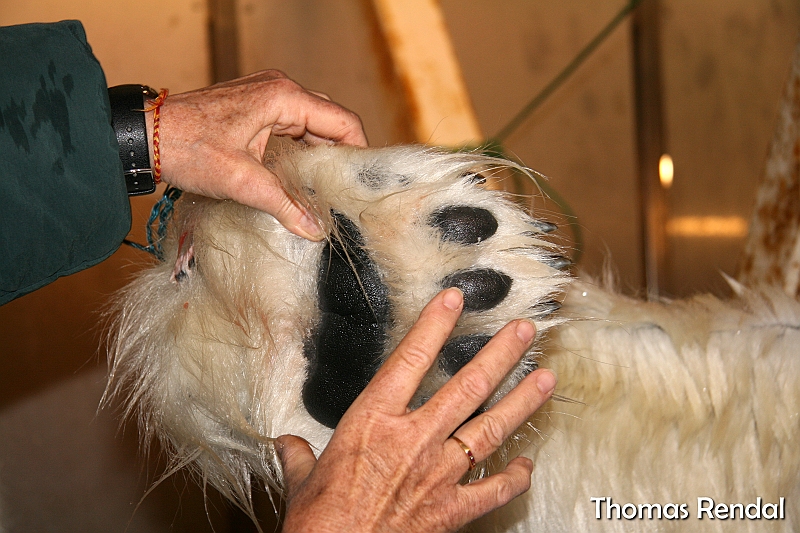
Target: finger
{"type": "Point", "coordinates": [486, 432]}
{"type": "Point", "coordinates": [399, 377]}
{"type": "Point", "coordinates": [297, 460]}
{"type": "Point", "coordinates": [475, 382]}
{"type": "Point", "coordinates": [487, 494]}
{"type": "Point", "coordinates": [335, 123]}
{"type": "Point", "coordinates": [303, 113]}
{"type": "Point", "coordinates": [256, 186]}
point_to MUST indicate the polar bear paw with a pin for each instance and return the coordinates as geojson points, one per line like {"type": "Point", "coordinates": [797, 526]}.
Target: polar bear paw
{"type": "Point", "coordinates": [248, 332]}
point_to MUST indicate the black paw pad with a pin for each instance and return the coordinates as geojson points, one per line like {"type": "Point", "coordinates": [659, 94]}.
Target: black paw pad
{"type": "Point", "coordinates": [464, 224]}
{"type": "Point", "coordinates": [349, 283]}
{"type": "Point", "coordinates": [460, 351]}
{"type": "Point", "coordinates": [345, 348]}
{"type": "Point", "coordinates": [483, 288]}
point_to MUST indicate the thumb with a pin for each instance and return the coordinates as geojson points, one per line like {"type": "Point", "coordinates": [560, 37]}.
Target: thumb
{"type": "Point", "coordinates": [297, 460]}
{"type": "Point", "coordinates": [257, 186]}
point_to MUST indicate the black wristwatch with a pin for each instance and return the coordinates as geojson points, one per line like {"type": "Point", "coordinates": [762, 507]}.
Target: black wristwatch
{"type": "Point", "coordinates": [127, 117]}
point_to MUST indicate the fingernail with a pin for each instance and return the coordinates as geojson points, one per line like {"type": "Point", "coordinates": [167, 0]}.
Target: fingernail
{"type": "Point", "coordinates": [309, 226]}
{"type": "Point", "coordinates": [546, 381]}
{"type": "Point", "coordinates": [525, 331]}
{"type": "Point", "coordinates": [453, 298]}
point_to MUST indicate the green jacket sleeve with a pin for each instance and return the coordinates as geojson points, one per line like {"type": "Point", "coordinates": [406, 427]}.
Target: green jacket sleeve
{"type": "Point", "coordinates": [63, 202]}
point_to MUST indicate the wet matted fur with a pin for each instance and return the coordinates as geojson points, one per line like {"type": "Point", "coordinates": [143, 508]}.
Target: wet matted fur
{"type": "Point", "coordinates": [248, 332]}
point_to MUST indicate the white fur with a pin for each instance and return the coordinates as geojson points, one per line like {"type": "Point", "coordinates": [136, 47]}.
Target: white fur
{"type": "Point", "coordinates": [680, 400]}
{"type": "Point", "coordinates": [671, 401]}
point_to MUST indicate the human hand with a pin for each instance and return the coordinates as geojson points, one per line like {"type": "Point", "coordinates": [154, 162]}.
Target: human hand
{"type": "Point", "coordinates": [390, 469]}
{"type": "Point", "coordinates": [212, 140]}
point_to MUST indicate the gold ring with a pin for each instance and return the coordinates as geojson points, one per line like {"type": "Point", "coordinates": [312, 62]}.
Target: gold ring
{"type": "Point", "coordinates": [466, 451]}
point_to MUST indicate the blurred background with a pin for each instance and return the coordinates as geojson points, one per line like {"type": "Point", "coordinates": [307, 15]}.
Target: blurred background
{"type": "Point", "coordinates": [721, 70]}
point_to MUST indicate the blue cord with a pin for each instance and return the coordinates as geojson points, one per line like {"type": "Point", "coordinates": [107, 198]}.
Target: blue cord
{"type": "Point", "coordinates": [162, 211]}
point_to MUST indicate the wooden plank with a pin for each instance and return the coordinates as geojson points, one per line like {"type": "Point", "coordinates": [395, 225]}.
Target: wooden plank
{"type": "Point", "coordinates": [428, 70]}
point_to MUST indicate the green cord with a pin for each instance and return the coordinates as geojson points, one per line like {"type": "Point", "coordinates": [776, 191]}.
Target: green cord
{"type": "Point", "coordinates": [494, 145]}
{"type": "Point", "coordinates": [161, 212]}
{"type": "Point", "coordinates": [537, 100]}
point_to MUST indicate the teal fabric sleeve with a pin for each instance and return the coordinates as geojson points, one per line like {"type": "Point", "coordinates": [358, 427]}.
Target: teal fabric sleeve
{"type": "Point", "coordinates": [63, 202]}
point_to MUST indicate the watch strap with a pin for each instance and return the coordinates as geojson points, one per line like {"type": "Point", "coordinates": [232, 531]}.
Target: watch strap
{"type": "Point", "coordinates": [128, 121]}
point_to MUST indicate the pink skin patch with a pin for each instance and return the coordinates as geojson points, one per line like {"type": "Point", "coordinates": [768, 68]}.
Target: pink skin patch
{"type": "Point", "coordinates": [185, 262]}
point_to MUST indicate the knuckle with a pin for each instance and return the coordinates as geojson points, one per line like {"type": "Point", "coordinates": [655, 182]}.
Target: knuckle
{"type": "Point", "coordinates": [505, 492]}
{"type": "Point", "coordinates": [275, 73]}
{"type": "Point", "coordinates": [286, 85]}
{"type": "Point", "coordinates": [492, 430]}
{"type": "Point", "coordinates": [283, 207]}
{"type": "Point", "coordinates": [475, 384]}
{"type": "Point", "coordinates": [415, 355]}
{"type": "Point", "coordinates": [239, 180]}
{"type": "Point", "coordinates": [355, 121]}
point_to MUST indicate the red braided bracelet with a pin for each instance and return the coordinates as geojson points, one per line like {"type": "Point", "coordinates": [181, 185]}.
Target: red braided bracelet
{"type": "Point", "coordinates": [154, 106]}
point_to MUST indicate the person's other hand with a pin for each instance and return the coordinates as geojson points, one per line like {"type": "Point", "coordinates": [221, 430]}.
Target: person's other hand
{"type": "Point", "coordinates": [212, 140]}
{"type": "Point", "coordinates": [390, 469]}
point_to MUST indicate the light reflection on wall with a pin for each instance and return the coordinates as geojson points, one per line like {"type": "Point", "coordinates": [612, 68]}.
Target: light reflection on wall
{"type": "Point", "coordinates": [698, 226]}
{"type": "Point", "coordinates": [707, 226]}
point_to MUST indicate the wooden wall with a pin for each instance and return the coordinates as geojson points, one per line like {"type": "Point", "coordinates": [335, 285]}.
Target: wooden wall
{"type": "Point", "coordinates": [724, 63]}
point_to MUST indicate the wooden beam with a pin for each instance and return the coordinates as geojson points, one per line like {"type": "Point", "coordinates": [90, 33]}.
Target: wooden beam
{"type": "Point", "coordinates": [650, 141]}
{"type": "Point", "coordinates": [427, 67]}
{"type": "Point", "coordinates": [223, 33]}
